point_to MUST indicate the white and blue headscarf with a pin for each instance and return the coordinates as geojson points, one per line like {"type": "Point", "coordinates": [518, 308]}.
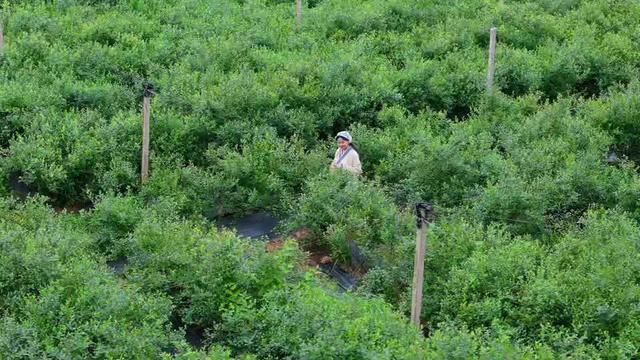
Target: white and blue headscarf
{"type": "Point", "coordinates": [345, 135]}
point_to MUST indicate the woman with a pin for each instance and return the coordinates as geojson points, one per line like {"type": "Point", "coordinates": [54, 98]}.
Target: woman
{"type": "Point", "coordinates": [347, 157]}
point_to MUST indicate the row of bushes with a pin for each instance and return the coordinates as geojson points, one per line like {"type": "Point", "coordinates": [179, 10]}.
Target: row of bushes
{"type": "Point", "coordinates": [260, 75]}
{"type": "Point", "coordinates": [508, 144]}
{"type": "Point", "coordinates": [60, 299]}
{"type": "Point", "coordinates": [573, 294]}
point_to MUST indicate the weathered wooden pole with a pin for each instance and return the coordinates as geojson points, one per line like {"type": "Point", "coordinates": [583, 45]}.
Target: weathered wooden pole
{"type": "Point", "coordinates": [1, 37]}
{"type": "Point", "coordinates": [423, 213]}
{"type": "Point", "coordinates": [492, 58]}
{"type": "Point", "coordinates": [299, 13]}
{"type": "Point", "coordinates": [146, 119]}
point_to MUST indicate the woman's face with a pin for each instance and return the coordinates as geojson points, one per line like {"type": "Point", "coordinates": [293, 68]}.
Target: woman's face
{"type": "Point", "coordinates": [343, 144]}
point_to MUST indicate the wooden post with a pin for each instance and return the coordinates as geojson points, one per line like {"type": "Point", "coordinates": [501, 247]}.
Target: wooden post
{"type": "Point", "coordinates": [423, 212]}
{"type": "Point", "coordinates": [1, 38]}
{"type": "Point", "coordinates": [146, 114]}
{"type": "Point", "coordinates": [299, 13]}
{"type": "Point", "coordinates": [492, 59]}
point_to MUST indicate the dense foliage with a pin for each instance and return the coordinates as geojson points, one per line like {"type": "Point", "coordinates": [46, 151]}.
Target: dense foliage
{"type": "Point", "coordinates": [535, 249]}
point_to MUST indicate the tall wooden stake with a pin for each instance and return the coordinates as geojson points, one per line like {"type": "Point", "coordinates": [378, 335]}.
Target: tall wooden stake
{"type": "Point", "coordinates": [146, 114]}
{"type": "Point", "coordinates": [423, 212]}
{"type": "Point", "coordinates": [492, 59]}
{"type": "Point", "coordinates": [1, 38]}
{"type": "Point", "coordinates": [299, 13]}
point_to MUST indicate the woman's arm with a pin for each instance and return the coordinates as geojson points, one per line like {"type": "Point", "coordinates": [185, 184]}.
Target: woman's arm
{"type": "Point", "coordinates": [335, 159]}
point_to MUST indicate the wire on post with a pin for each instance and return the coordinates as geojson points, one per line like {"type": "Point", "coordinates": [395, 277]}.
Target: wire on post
{"type": "Point", "coordinates": [424, 213]}
{"type": "Point", "coordinates": [149, 90]}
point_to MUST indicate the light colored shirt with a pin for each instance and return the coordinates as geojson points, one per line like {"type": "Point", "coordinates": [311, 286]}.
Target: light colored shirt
{"type": "Point", "coordinates": [349, 162]}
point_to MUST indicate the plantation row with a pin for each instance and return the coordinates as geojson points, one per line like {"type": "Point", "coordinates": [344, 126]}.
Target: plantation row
{"type": "Point", "coordinates": [534, 251]}
{"type": "Point", "coordinates": [73, 75]}
{"type": "Point", "coordinates": [60, 299]}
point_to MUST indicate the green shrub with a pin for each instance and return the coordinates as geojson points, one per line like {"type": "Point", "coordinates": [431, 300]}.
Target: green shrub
{"type": "Point", "coordinates": [190, 190]}
{"type": "Point", "coordinates": [301, 323]}
{"type": "Point", "coordinates": [584, 285]}
{"type": "Point", "coordinates": [205, 272]}
{"type": "Point", "coordinates": [525, 26]}
{"type": "Point", "coordinates": [339, 208]}
{"type": "Point", "coordinates": [450, 85]}
{"type": "Point", "coordinates": [101, 320]}
{"type": "Point", "coordinates": [519, 72]}
{"type": "Point", "coordinates": [215, 353]}
{"type": "Point", "coordinates": [512, 202]}
{"type": "Point", "coordinates": [453, 343]}
{"type": "Point", "coordinates": [34, 250]}
{"type": "Point", "coordinates": [106, 99]}
{"type": "Point", "coordinates": [487, 286]}
{"type": "Point", "coordinates": [112, 222]}
{"type": "Point", "coordinates": [266, 173]}
{"type": "Point", "coordinates": [67, 156]}
{"type": "Point", "coordinates": [589, 283]}
{"type": "Point", "coordinates": [617, 115]}
{"type": "Point", "coordinates": [443, 170]}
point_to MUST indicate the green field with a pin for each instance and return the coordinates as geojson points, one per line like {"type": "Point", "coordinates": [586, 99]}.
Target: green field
{"type": "Point", "coordinates": [534, 252]}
